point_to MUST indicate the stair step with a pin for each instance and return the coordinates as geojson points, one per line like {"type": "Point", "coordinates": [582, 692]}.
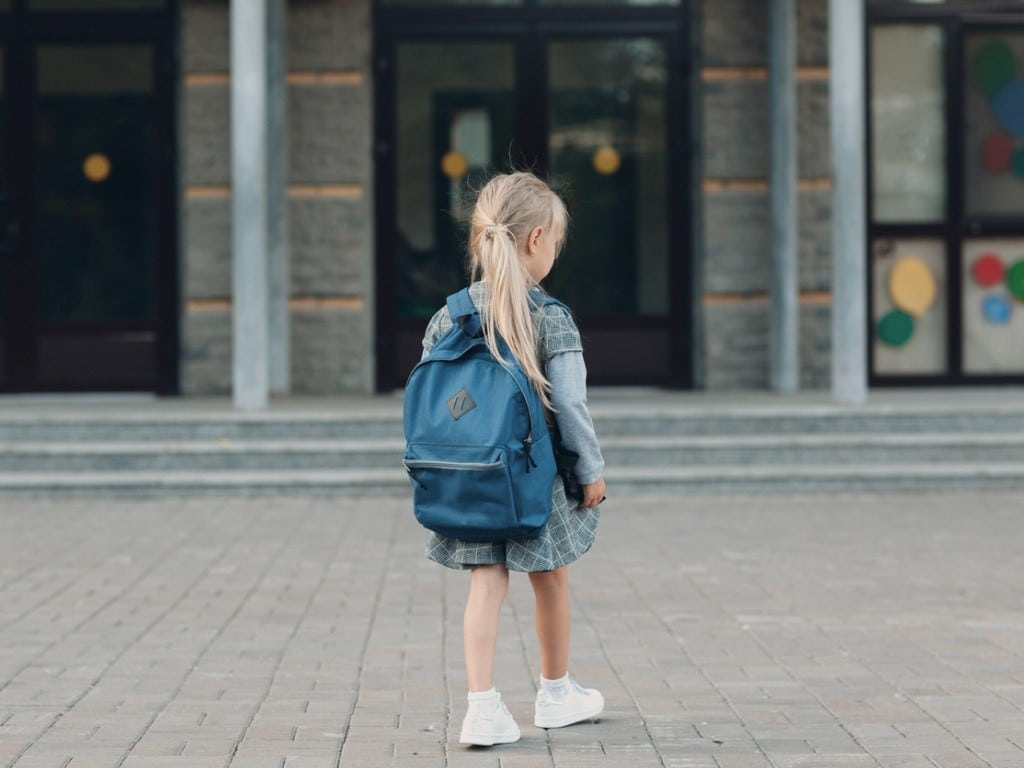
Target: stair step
{"type": "Point", "coordinates": [621, 481]}
{"type": "Point", "coordinates": [385, 453]}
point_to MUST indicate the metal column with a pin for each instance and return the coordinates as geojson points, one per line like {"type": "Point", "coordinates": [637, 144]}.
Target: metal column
{"type": "Point", "coordinates": [785, 286]}
{"type": "Point", "coordinates": [257, 178]}
{"type": "Point", "coordinates": [849, 243]}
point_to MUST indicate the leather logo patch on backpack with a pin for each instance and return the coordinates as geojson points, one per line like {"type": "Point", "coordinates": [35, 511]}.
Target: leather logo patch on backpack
{"type": "Point", "coordinates": [460, 404]}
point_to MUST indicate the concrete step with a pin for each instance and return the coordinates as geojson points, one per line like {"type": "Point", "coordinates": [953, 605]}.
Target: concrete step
{"type": "Point", "coordinates": [612, 420]}
{"type": "Point", "coordinates": [622, 482]}
{"type": "Point", "coordinates": [385, 453]}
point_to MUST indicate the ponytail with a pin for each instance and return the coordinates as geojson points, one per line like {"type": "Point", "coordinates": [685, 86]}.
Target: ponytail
{"type": "Point", "coordinates": [508, 208]}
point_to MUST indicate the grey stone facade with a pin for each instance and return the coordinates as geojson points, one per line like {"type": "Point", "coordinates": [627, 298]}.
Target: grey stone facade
{"type": "Point", "coordinates": [735, 257]}
{"type": "Point", "coordinates": [330, 193]}
{"type": "Point", "coordinates": [330, 103]}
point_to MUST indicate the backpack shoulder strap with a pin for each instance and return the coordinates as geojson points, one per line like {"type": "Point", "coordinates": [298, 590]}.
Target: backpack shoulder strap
{"type": "Point", "coordinates": [460, 305]}
{"type": "Point", "coordinates": [464, 312]}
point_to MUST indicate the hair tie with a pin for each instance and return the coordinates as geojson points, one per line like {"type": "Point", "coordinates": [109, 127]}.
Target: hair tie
{"type": "Point", "coordinates": [492, 229]}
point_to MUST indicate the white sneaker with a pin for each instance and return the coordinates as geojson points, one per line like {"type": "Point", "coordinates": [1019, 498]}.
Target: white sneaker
{"type": "Point", "coordinates": [576, 705]}
{"type": "Point", "coordinates": [487, 723]}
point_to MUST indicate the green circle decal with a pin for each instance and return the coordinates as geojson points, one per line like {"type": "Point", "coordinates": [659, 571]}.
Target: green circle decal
{"type": "Point", "coordinates": [896, 328]}
{"type": "Point", "coordinates": [1015, 280]}
{"type": "Point", "coordinates": [994, 66]}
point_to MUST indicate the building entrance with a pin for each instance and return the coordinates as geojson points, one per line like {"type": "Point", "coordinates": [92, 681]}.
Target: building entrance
{"type": "Point", "coordinates": [596, 105]}
{"type": "Point", "coordinates": [87, 215]}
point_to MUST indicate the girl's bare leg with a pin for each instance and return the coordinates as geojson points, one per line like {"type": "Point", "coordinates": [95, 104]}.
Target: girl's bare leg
{"type": "Point", "coordinates": [488, 586]}
{"type": "Point", "coordinates": [551, 590]}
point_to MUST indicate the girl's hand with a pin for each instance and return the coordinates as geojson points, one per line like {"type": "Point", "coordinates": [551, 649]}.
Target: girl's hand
{"type": "Point", "coordinates": [593, 493]}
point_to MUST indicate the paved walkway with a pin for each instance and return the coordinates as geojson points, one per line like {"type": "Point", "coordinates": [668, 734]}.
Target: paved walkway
{"type": "Point", "coordinates": [725, 632]}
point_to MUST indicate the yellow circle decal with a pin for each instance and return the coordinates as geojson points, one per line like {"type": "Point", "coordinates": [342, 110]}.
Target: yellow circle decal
{"type": "Point", "coordinates": [454, 164]}
{"type": "Point", "coordinates": [912, 285]}
{"type": "Point", "coordinates": [96, 167]}
{"type": "Point", "coordinates": [607, 160]}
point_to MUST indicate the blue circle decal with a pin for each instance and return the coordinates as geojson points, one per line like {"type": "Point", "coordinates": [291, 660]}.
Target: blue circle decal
{"type": "Point", "coordinates": [996, 310]}
{"type": "Point", "coordinates": [1008, 107]}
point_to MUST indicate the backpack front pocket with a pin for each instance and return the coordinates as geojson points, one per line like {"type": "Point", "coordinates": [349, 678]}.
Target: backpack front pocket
{"type": "Point", "coordinates": [467, 500]}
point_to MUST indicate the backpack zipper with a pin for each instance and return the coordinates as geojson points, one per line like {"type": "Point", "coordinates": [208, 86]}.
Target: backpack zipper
{"type": "Point", "coordinates": [472, 466]}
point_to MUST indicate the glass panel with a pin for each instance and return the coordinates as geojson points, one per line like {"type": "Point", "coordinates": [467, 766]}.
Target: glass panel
{"type": "Point", "coordinates": [907, 123]}
{"type": "Point", "coordinates": [455, 126]}
{"type": "Point", "coordinates": [5, 193]}
{"type": "Point", "coordinates": [448, 3]}
{"type": "Point", "coordinates": [96, 5]}
{"type": "Point", "coordinates": [993, 306]}
{"type": "Point", "coordinates": [909, 287]}
{"type": "Point", "coordinates": [994, 124]}
{"type": "Point", "coordinates": [976, 3]}
{"type": "Point", "coordinates": [608, 155]}
{"type": "Point", "coordinates": [609, 2]}
{"type": "Point", "coordinates": [95, 183]}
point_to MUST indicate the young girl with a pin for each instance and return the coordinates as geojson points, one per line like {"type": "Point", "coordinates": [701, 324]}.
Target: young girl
{"type": "Point", "coordinates": [518, 227]}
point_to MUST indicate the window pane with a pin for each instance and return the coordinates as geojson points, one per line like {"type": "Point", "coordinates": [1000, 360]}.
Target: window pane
{"type": "Point", "coordinates": [909, 291]}
{"type": "Point", "coordinates": [939, 3]}
{"type": "Point", "coordinates": [994, 124]}
{"type": "Point", "coordinates": [456, 117]}
{"type": "Point", "coordinates": [609, 2]}
{"type": "Point", "coordinates": [96, 5]}
{"type": "Point", "coordinates": [993, 306]}
{"type": "Point", "coordinates": [608, 154]}
{"type": "Point", "coordinates": [95, 171]}
{"type": "Point", "coordinates": [447, 3]}
{"type": "Point", "coordinates": [907, 123]}
{"type": "Point", "coordinates": [5, 195]}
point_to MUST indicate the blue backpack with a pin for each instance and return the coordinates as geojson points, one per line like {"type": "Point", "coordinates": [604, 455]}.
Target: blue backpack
{"type": "Point", "coordinates": [477, 444]}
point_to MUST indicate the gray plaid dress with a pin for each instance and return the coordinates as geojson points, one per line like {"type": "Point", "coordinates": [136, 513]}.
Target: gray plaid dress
{"type": "Point", "coordinates": [570, 530]}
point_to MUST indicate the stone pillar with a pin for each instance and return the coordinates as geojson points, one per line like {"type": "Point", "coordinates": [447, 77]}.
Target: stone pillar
{"type": "Point", "coordinates": [277, 191]}
{"type": "Point", "coordinates": [785, 311]}
{"type": "Point", "coordinates": [258, 198]}
{"type": "Point", "coordinates": [849, 244]}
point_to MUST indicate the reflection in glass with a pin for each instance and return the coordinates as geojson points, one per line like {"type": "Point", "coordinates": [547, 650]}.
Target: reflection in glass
{"type": "Point", "coordinates": [455, 124]}
{"type": "Point", "coordinates": [447, 3]}
{"type": "Point", "coordinates": [994, 124]}
{"type": "Point", "coordinates": [907, 123]}
{"type": "Point", "coordinates": [95, 183]}
{"type": "Point", "coordinates": [633, 3]}
{"type": "Point", "coordinates": [4, 195]}
{"type": "Point", "coordinates": [979, 3]}
{"type": "Point", "coordinates": [608, 157]}
{"type": "Point", "coordinates": [993, 306]}
{"type": "Point", "coordinates": [96, 5]}
{"type": "Point", "coordinates": [909, 295]}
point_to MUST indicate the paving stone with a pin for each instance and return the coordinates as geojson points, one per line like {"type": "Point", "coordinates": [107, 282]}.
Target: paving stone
{"type": "Point", "coordinates": [725, 632]}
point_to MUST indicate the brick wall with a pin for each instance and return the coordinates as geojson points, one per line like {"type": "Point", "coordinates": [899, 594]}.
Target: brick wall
{"type": "Point", "coordinates": [329, 193]}
{"type": "Point", "coordinates": [735, 258]}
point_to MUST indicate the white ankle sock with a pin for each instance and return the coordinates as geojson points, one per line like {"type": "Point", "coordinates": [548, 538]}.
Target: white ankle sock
{"type": "Point", "coordinates": [485, 699]}
{"type": "Point", "coordinates": [557, 688]}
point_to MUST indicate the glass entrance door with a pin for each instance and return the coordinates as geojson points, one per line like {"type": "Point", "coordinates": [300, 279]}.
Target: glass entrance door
{"type": "Point", "coordinates": [7, 225]}
{"type": "Point", "coordinates": [89, 224]}
{"type": "Point", "coordinates": [590, 112]}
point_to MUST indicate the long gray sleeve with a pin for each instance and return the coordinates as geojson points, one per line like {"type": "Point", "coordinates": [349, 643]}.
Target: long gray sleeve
{"type": "Point", "coordinates": [568, 376]}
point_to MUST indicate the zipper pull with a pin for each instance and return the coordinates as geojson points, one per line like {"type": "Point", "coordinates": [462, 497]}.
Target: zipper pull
{"type": "Point", "coordinates": [528, 444]}
{"type": "Point", "coordinates": [415, 479]}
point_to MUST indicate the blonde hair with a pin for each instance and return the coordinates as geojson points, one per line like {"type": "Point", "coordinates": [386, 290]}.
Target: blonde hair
{"type": "Point", "coordinates": [507, 209]}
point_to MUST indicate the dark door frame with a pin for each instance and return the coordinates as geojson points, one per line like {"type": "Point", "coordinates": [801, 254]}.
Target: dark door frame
{"type": "Point", "coordinates": [529, 28]}
{"type": "Point", "coordinates": [956, 226]}
{"type": "Point", "coordinates": [21, 31]}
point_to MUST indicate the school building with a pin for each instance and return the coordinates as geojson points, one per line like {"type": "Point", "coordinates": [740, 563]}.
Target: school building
{"type": "Point", "coordinates": [150, 242]}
